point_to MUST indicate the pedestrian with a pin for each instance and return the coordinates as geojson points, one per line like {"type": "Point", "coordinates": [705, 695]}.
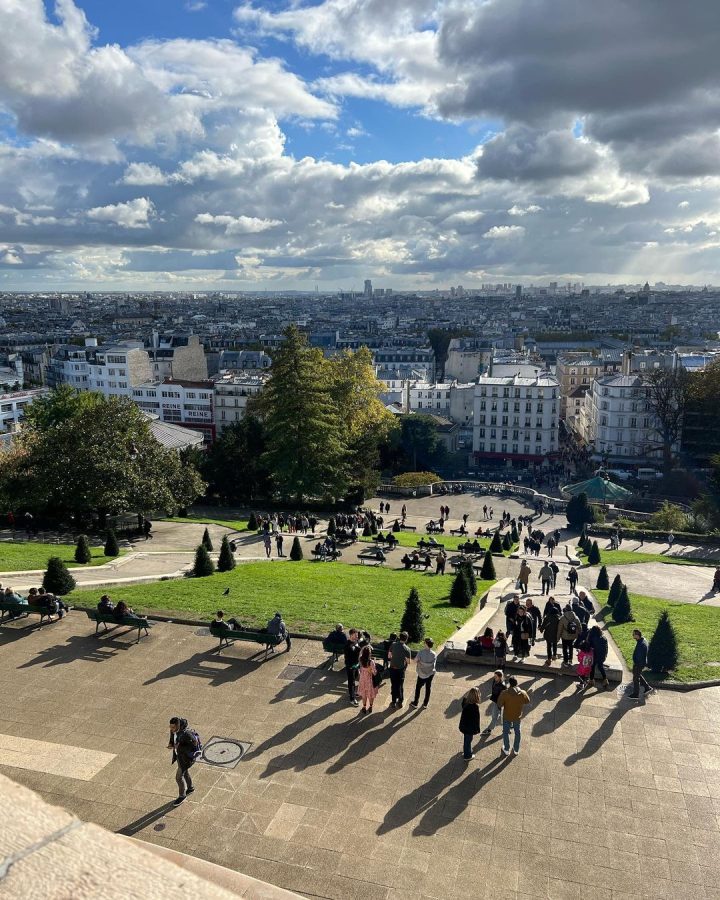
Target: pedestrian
{"type": "Point", "coordinates": [569, 629]}
{"type": "Point", "coordinates": [512, 607]}
{"type": "Point", "coordinates": [267, 541]}
{"type": "Point", "coordinates": [497, 686]}
{"type": "Point", "coordinates": [555, 571]}
{"type": "Point", "coordinates": [716, 581]}
{"type": "Point", "coordinates": [639, 661]}
{"type": "Point", "coordinates": [512, 701]}
{"type": "Point", "coordinates": [545, 576]}
{"type": "Point", "coordinates": [550, 546]}
{"type": "Point", "coordinates": [485, 511]}
{"type": "Point", "coordinates": [524, 576]}
{"type": "Point", "coordinates": [573, 579]}
{"type": "Point", "coordinates": [367, 688]}
{"type": "Point", "coordinates": [670, 540]}
{"type": "Point", "coordinates": [465, 518]}
{"type": "Point", "coordinates": [279, 543]}
{"type": "Point", "coordinates": [522, 632]}
{"type": "Point", "coordinates": [500, 649]}
{"type": "Point", "coordinates": [425, 662]}
{"type": "Point", "coordinates": [599, 646]}
{"type": "Point", "coordinates": [399, 655]}
{"type": "Point", "coordinates": [535, 618]}
{"type": "Point", "coordinates": [550, 627]}
{"type": "Point", "coordinates": [186, 747]}
{"type": "Point", "coordinates": [470, 721]}
{"type": "Point", "coordinates": [440, 563]}
{"type": "Point", "coordinates": [351, 653]}
{"type": "Point", "coordinates": [584, 664]}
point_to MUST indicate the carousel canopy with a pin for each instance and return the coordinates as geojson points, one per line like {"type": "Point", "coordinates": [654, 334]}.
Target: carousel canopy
{"type": "Point", "coordinates": [598, 489]}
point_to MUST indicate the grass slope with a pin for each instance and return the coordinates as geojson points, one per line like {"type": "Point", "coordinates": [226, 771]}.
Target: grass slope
{"type": "Point", "coordinates": [22, 556]}
{"type": "Point", "coordinates": [628, 557]}
{"type": "Point", "coordinates": [697, 629]}
{"type": "Point", "coordinates": [312, 597]}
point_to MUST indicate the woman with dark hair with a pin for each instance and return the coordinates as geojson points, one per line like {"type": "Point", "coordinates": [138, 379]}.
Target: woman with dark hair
{"type": "Point", "coordinates": [599, 646]}
{"type": "Point", "coordinates": [366, 686]}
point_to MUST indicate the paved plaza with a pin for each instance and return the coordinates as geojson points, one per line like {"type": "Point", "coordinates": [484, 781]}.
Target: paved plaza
{"type": "Point", "coordinates": [607, 797]}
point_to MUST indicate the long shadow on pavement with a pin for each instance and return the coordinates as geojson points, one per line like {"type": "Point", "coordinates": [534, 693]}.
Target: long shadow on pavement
{"type": "Point", "coordinates": [423, 797]}
{"type": "Point", "coordinates": [146, 819]}
{"type": "Point", "coordinates": [199, 666]}
{"type": "Point", "coordinates": [371, 740]}
{"type": "Point", "coordinates": [599, 737]}
{"type": "Point", "coordinates": [78, 647]}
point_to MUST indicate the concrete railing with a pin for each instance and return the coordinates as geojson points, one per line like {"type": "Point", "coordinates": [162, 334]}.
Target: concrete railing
{"type": "Point", "coordinates": [503, 488]}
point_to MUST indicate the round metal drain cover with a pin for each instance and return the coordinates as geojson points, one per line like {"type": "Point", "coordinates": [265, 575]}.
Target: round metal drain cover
{"type": "Point", "coordinates": [223, 752]}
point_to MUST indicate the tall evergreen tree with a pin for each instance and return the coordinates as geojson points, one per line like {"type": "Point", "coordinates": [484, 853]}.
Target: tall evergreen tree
{"type": "Point", "coordinates": [234, 466]}
{"type": "Point", "coordinates": [412, 620]}
{"type": "Point", "coordinates": [226, 560]}
{"type": "Point", "coordinates": [579, 511]}
{"type": "Point", "coordinates": [514, 536]}
{"type": "Point", "coordinates": [206, 541]}
{"type": "Point", "coordinates": [306, 452]}
{"type": "Point", "coordinates": [507, 541]}
{"type": "Point", "coordinates": [615, 589]}
{"type": "Point", "coordinates": [296, 551]}
{"type": "Point", "coordinates": [622, 610]}
{"type": "Point", "coordinates": [204, 566]}
{"type": "Point", "coordinates": [112, 548]}
{"type": "Point", "coordinates": [593, 556]}
{"type": "Point", "coordinates": [460, 591]}
{"type": "Point", "coordinates": [470, 573]}
{"type": "Point", "coordinates": [252, 524]}
{"type": "Point", "coordinates": [663, 653]}
{"type": "Point", "coordinates": [57, 579]}
{"type": "Point", "coordinates": [603, 581]}
{"type": "Point", "coordinates": [487, 573]}
{"type": "Point", "coordinates": [496, 543]}
{"type": "Point", "coordinates": [83, 553]}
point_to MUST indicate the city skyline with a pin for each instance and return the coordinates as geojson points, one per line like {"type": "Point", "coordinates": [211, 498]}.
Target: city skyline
{"type": "Point", "coordinates": [273, 145]}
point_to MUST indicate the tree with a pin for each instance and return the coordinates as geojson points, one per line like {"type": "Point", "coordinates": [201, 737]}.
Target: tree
{"type": "Point", "coordinates": [332, 527]}
{"type": "Point", "coordinates": [206, 541]}
{"type": "Point", "coordinates": [496, 543]}
{"type": "Point", "coordinates": [252, 524]}
{"type": "Point", "coordinates": [663, 655]}
{"type": "Point", "coordinates": [296, 551]}
{"type": "Point", "coordinates": [579, 512]}
{"type": "Point", "coordinates": [419, 441]}
{"type": "Point", "coordinates": [470, 572]}
{"type": "Point", "coordinates": [593, 556]}
{"type": "Point", "coordinates": [234, 465]}
{"type": "Point", "coordinates": [306, 452]}
{"type": "Point", "coordinates": [487, 573]}
{"type": "Point", "coordinates": [204, 566]}
{"type": "Point", "coordinates": [615, 589]}
{"type": "Point", "coordinates": [514, 536]}
{"type": "Point", "coordinates": [112, 548]}
{"type": "Point", "coordinates": [226, 560]}
{"type": "Point", "coordinates": [460, 592]}
{"type": "Point", "coordinates": [439, 339]}
{"type": "Point", "coordinates": [669, 518]}
{"type": "Point", "coordinates": [666, 396]}
{"type": "Point", "coordinates": [57, 579]}
{"type": "Point", "coordinates": [622, 610]}
{"type": "Point", "coordinates": [412, 620]}
{"type": "Point", "coordinates": [83, 554]}
{"type": "Point", "coordinates": [603, 581]}
{"type": "Point", "coordinates": [80, 457]}
{"type": "Point", "coordinates": [507, 542]}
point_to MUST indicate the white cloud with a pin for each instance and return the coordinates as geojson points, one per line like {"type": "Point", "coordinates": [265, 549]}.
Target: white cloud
{"type": "Point", "coordinates": [133, 214]}
{"type": "Point", "coordinates": [524, 211]}
{"type": "Point", "coordinates": [195, 5]}
{"type": "Point", "coordinates": [504, 232]}
{"type": "Point", "coordinates": [140, 173]}
{"type": "Point", "coordinates": [238, 224]}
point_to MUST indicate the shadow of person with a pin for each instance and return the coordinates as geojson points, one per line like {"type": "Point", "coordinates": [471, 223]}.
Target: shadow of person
{"type": "Point", "coordinates": [145, 820]}
{"type": "Point", "coordinates": [600, 736]}
{"type": "Point", "coordinates": [454, 708]}
{"type": "Point", "coordinates": [372, 739]}
{"type": "Point", "coordinates": [208, 664]}
{"type": "Point", "coordinates": [458, 797]}
{"type": "Point", "coordinates": [77, 647]}
{"type": "Point", "coordinates": [422, 797]}
{"type": "Point", "coordinates": [708, 596]}
{"type": "Point", "coordinates": [556, 715]}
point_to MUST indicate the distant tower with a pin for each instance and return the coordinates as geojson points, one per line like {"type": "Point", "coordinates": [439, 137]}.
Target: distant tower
{"type": "Point", "coordinates": [368, 288]}
{"type": "Point", "coordinates": [518, 292]}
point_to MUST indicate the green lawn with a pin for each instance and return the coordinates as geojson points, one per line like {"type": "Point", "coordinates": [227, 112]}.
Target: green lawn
{"type": "Point", "coordinates": [22, 556]}
{"type": "Point", "coordinates": [626, 557]}
{"type": "Point", "coordinates": [234, 524]}
{"type": "Point", "coordinates": [312, 597]}
{"type": "Point", "coordinates": [697, 629]}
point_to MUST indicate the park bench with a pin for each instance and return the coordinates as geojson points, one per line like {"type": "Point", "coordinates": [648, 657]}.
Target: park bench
{"type": "Point", "coordinates": [229, 635]}
{"type": "Point", "coordinates": [426, 545]}
{"type": "Point", "coordinates": [328, 556]}
{"type": "Point", "coordinates": [404, 527]}
{"type": "Point", "coordinates": [14, 610]}
{"type": "Point", "coordinates": [434, 529]}
{"type": "Point", "coordinates": [129, 621]}
{"type": "Point", "coordinates": [370, 557]}
{"type": "Point", "coordinates": [459, 531]}
{"type": "Point", "coordinates": [337, 649]}
{"type": "Point", "coordinates": [477, 564]}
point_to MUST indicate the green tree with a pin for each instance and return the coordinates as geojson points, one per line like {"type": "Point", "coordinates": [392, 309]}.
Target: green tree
{"type": "Point", "coordinates": [412, 620]}
{"type": "Point", "coordinates": [470, 573]}
{"type": "Point", "coordinates": [252, 524]}
{"type": "Point", "coordinates": [207, 541]}
{"type": "Point", "coordinates": [460, 592]}
{"type": "Point", "coordinates": [669, 518]}
{"type": "Point", "coordinates": [419, 441]}
{"type": "Point", "coordinates": [306, 451]}
{"type": "Point", "coordinates": [579, 512]}
{"type": "Point", "coordinates": [663, 655]}
{"type": "Point", "coordinates": [234, 466]}
{"type": "Point", "coordinates": [487, 573]}
{"type": "Point", "coordinates": [615, 589]}
{"type": "Point", "coordinates": [593, 556]}
{"type": "Point", "coordinates": [204, 566]}
{"type": "Point", "coordinates": [514, 536]}
{"type": "Point", "coordinates": [603, 581]}
{"type": "Point", "coordinates": [496, 543]}
{"type": "Point", "coordinates": [622, 610]}
{"type": "Point", "coordinates": [666, 396]}
{"type": "Point", "coordinates": [112, 548]}
{"type": "Point", "coordinates": [83, 554]}
{"type": "Point", "coordinates": [57, 579]}
{"type": "Point", "coordinates": [226, 560]}
{"type": "Point", "coordinates": [507, 541]}
{"type": "Point", "coordinates": [296, 551]}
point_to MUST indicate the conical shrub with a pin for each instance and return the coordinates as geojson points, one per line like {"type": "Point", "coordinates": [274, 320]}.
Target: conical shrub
{"type": "Point", "coordinates": [252, 524]}
{"type": "Point", "coordinates": [82, 550]}
{"type": "Point", "coordinates": [57, 579]}
{"type": "Point", "coordinates": [603, 581]}
{"type": "Point", "coordinates": [594, 555]}
{"type": "Point", "coordinates": [412, 620]}
{"type": "Point", "coordinates": [112, 548]}
{"type": "Point", "coordinates": [496, 543]}
{"type": "Point", "coordinates": [460, 592]}
{"type": "Point", "coordinates": [507, 542]}
{"type": "Point", "coordinates": [487, 573]}
{"type": "Point", "coordinates": [296, 552]}
{"type": "Point", "coordinates": [663, 650]}
{"type": "Point", "coordinates": [514, 536]}
{"type": "Point", "coordinates": [622, 610]}
{"type": "Point", "coordinates": [204, 566]}
{"type": "Point", "coordinates": [206, 542]}
{"type": "Point", "coordinates": [470, 573]}
{"type": "Point", "coordinates": [615, 589]}
{"type": "Point", "coordinates": [226, 560]}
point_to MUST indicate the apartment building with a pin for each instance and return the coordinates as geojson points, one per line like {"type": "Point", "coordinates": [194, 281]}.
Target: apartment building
{"type": "Point", "coordinates": [231, 394]}
{"type": "Point", "coordinates": [425, 397]}
{"type": "Point", "coordinates": [187, 403]}
{"type": "Point", "coordinates": [575, 373]}
{"type": "Point", "coordinates": [12, 407]}
{"type": "Point", "coordinates": [516, 418]}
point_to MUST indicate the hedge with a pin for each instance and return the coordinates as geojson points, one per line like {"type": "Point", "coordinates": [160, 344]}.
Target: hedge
{"type": "Point", "coordinates": [653, 534]}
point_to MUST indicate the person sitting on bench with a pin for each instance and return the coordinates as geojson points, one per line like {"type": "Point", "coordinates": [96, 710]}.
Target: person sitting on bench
{"type": "Point", "coordinates": [406, 561]}
{"type": "Point", "coordinates": [11, 597]}
{"type": "Point", "coordinates": [337, 636]}
{"type": "Point", "coordinates": [105, 606]}
{"type": "Point", "coordinates": [432, 542]}
{"type": "Point", "coordinates": [277, 627]}
{"type": "Point", "coordinates": [54, 605]}
{"type": "Point", "coordinates": [231, 623]}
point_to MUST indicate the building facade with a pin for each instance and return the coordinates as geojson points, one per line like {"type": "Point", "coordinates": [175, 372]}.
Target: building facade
{"type": "Point", "coordinates": [187, 403]}
{"type": "Point", "coordinates": [231, 394]}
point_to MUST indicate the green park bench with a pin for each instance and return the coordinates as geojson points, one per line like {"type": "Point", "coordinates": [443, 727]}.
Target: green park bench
{"type": "Point", "coordinates": [229, 635]}
{"type": "Point", "coordinates": [371, 557]}
{"type": "Point", "coordinates": [15, 610]}
{"type": "Point", "coordinates": [337, 649]}
{"type": "Point", "coordinates": [130, 621]}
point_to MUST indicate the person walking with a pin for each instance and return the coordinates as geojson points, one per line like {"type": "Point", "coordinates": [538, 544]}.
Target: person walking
{"type": "Point", "coordinates": [500, 649]}
{"type": "Point", "coordinates": [572, 577]}
{"type": "Point", "coordinates": [522, 632]}
{"type": "Point", "coordinates": [546, 576]}
{"type": "Point", "coordinates": [512, 608]}
{"type": "Point", "coordinates": [535, 617]}
{"type": "Point", "coordinates": [186, 748]}
{"type": "Point", "coordinates": [639, 661]}
{"type": "Point", "coordinates": [279, 543]}
{"type": "Point", "coordinates": [512, 701]}
{"type": "Point", "coordinates": [555, 572]}
{"type": "Point", "coordinates": [399, 654]}
{"type": "Point", "coordinates": [470, 721]}
{"type": "Point", "coordinates": [569, 629]}
{"type": "Point", "coordinates": [425, 663]}
{"type": "Point", "coordinates": [550, 627]}
{"type": "Point", "coordinates": [351, 653]}
{"type": "Point", "coordinates": [524, 576]}
{"type": "Point", "coordinates": [497, 686]}
{"type": "Point", "coordinates": [599, 645]}
{"type": "Point", "coordinates": [267, 541]}
{"type": "Point", "coordinates": [440, 562]}
{"type": "Point", "coordinates": [366, 684]}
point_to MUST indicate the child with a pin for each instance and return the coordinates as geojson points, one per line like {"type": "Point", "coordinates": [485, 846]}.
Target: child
{"type": "Point", "coordinates": [486, 641]}
{"type": "Point", "coordinates": [497, 686]}
{"type": "Point", "coordinates": [500, 648]}
{"type": "Point", "coordinates": [584, 665]}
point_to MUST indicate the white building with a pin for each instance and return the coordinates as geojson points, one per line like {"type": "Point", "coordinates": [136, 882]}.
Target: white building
{"type": "Point", "coordinates": [616, 422]}
{"type": "Point", "coordinates": [115, 370]}
{"type": "Point", "coordinates": [232, 392]}
{"type": "Point", "coordinates": [188, 403]}
{"type": "Point", "coordinates": [430, 398]}
{"type": "Point", "coordinates": [516, 418]}
{"type": "Point", "coordinates": [12, 407]}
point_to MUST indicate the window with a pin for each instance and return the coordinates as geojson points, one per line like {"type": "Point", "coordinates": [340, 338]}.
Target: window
{"type": "Point", "coordinates": [633, 422]}
{"type": "Point", "coordinates": [492, 448]}
{"type": "Point", "coordinates": [515, 435]}
{"type": "Point", "coordinates": [503, 448]}
{"type": "Point", "coordinates": [482, 404]}
{"type": "Point", "coordinates": [514, 448]}
{"type": "Point", "coordinates": [504, 420]}
{"type": "Point", "coordinates": [493, 433]}
{"type": "Point", "coordinates": [190, 395]}
{"type": "Point", "coordinates": [516, 407]}
{"type": "Point", "coordinates": [505, 407]}
{"type": "Point", "coordinates": [494, 406]}
{"type": "Point", "coordinates": [528, 407]}
{"type": "Point", "coordinates": [538, 436]}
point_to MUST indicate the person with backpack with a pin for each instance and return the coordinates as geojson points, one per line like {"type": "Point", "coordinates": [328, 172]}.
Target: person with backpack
{"type": "Point", "coordinates": [186, 746]}
{"type": "Point", "coordinates": [599, 646]}
{"type": "Point", "coordinates": [569, 629]}
{"type": "Point", "coordinates": [550, 626]}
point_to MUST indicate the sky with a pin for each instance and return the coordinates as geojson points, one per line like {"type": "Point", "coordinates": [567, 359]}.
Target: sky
{"type": "Point", "coordinates": [283, 144]}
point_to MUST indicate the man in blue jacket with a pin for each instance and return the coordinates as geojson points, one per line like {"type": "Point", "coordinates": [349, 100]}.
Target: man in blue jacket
{"type": "Point", "coordinates": [639, 661]}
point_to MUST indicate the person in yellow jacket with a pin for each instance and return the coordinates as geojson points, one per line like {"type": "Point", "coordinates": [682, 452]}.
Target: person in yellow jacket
{"type": "Point", "coordinates": [512, 701]}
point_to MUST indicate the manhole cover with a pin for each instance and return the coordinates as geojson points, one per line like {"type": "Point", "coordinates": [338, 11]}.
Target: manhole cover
{"type": "Point", "coordinates": [296, 673]}
{"type": "Point", "coordinates": [224, 753]}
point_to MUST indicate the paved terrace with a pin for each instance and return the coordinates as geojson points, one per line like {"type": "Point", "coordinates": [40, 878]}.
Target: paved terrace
{"type": "Point", "coordinates": [607, 797]}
